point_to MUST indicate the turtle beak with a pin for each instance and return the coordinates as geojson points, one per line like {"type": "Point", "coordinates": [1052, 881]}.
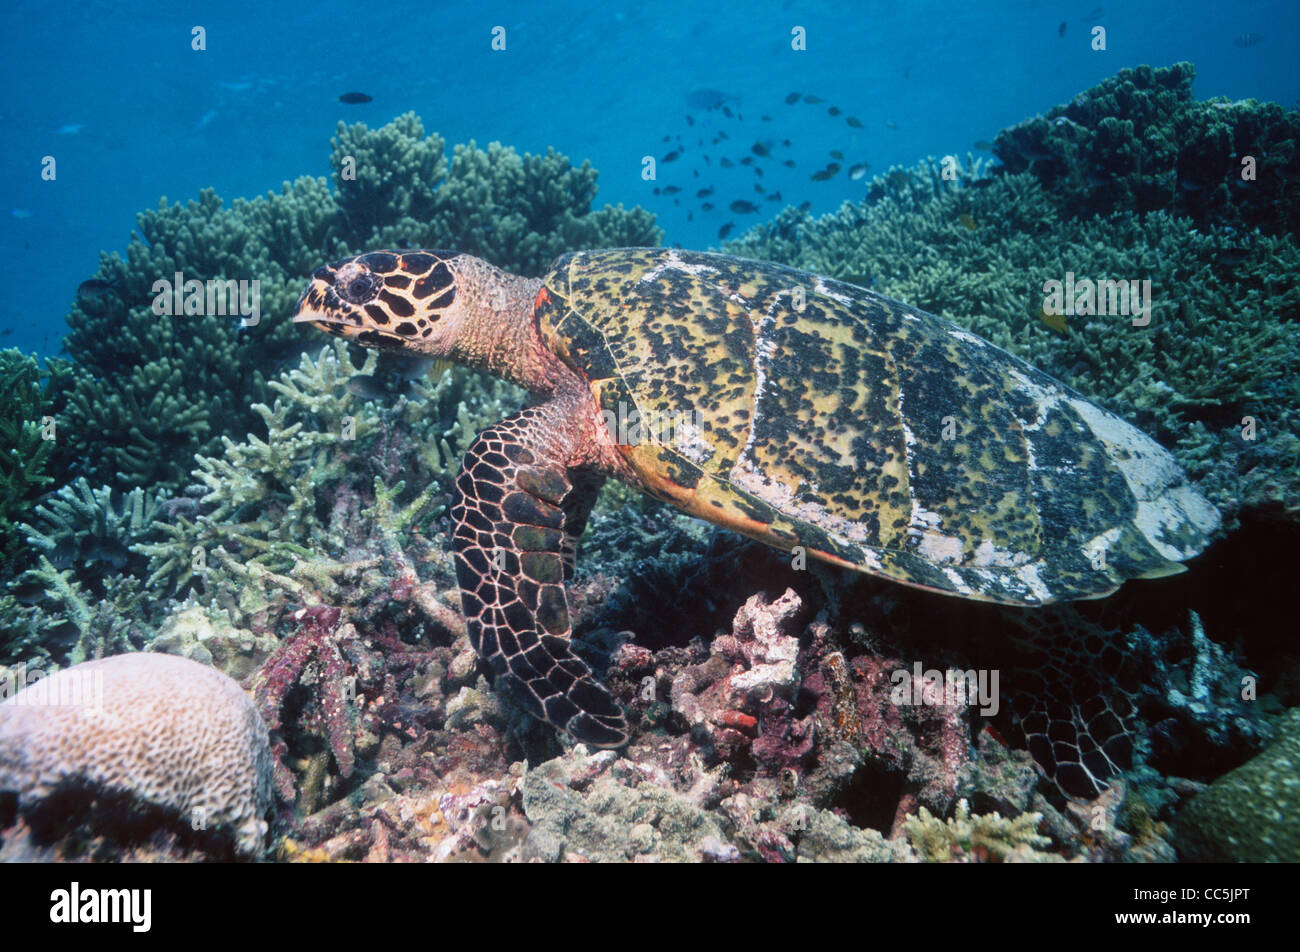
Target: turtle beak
{"type": "Point", "coordinates": [322, 309]}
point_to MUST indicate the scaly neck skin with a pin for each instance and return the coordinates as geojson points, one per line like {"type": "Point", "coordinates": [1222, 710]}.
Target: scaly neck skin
{"type": "Point", "coordinates": [498, 334]}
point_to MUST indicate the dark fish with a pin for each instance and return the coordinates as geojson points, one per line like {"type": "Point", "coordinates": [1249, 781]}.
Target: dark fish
{"type": "Point", "coordinates": [758, 188]}
{"type": "Point", "coordinates": [27, 593]}
{"type": "Point", "coordinates": [834, 110]}
{"type": "Point", "coordinates": [826, 173]}
{"type": "Point", "coordinates": [1060, 30]}
{"type": "Point", "coordinates": [854, 121]}
{"type": "Point", "coordinates": [726, 163]}
{"type": "Point", "coordinates": [728, 113]}
{"type": "Point", "coordinates": [673, 156]}
{"type": "Point", "coordinates": [707, 160]}
{"type": "Point", "coordinates": [96, 287]}
{"type": "Point", "coordinates": [689, 120]}
{"type": "Point", "coordinates": [747, 160]}
{"type": "Point", "coordinates": [704, 192]}
{"type": "Point", "coordinates": [967, 221]}
{"type": "Point", "coordinates": [368, 387]}
{"type": "Point", "coordinates": [813, 100]}
{"type": "Point", "coordinates": [1247, 39]}
{"type": "Point", "coordinates": [890, 124]}
{"type": "Point", "coordinates": [656, 189]}
{"type": "Point", "coordinates": [404, 366]}
{"type": "Point", "coordinates": [707, 98]}
{"type": "Point", "coordinates": [690, 216]}
{"type": "Point", "coordinates": [788, 163]}
{"type": "Point", "coordinates": [706, 206]}
{"type": "Point", "coordinates": [695, 172]}
{"type": "Point", "coordinates": [677, 201]}
{"type": "Point", "coordinates": [836, 154]}
{"type": "Point", "coordinates": [1231, 256]}
{"type": "Point", "coordinates": [723, 135]}
{"type": "Point", "coordinates": [791, 99]}
{"type": "Point", "coordinates": [774, 197]}
{"type": "Point", "coordinates": [6, 332]}
{"type": "Point", "coordinates": [984, 146]}
{"type": "Point", "coordinates": [805, 206]}
{"type": "Point", "coordinates": [758, 171]}
{"type": "Point", "coordinates": [981, 183]}
{"type": "Point", "coordinates": [96, 295]}
{"type": "Point", "coordinates": [786, 143]}
{"type": "Point", "coordinates": [353, 99]}
{"type": "Point", "coordinates": [725, 230]}
{"type": "Point", "coordinates": [765, 118]}
{"type": "Point", "coordinates": [671, 189]}
{"type": "Point", "coordinates": [668, 138]}
{"type": "Point", "coordinates": [742, 207]}
{"type": "Point", "coordinates": [858, 171]}
{"type": "Point", "coordinates": [760, 150]}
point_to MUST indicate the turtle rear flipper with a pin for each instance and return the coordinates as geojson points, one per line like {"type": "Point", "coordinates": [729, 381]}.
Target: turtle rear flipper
{"type": "Point", "coordinates": [513, 506]}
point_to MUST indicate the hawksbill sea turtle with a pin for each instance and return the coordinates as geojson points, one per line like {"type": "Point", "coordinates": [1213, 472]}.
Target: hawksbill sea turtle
{"type": "Point", "coordinates": [817, 416]}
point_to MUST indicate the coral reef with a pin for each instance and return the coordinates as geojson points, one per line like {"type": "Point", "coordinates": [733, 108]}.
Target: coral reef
{"type": "Point", "coordinates": [303, 553]}
{"type": "Point", "coordinates": [1138, 142]}
{"type": "Point", "coordinates": [134, 734]}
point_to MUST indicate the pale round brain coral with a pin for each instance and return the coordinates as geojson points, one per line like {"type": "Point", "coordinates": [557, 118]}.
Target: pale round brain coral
{"type": "Point", "coordinates": [168, 730]}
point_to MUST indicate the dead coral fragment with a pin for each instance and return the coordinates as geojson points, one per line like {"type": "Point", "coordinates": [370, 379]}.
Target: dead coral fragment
{"type": "Point", "coordinates": [313, 654]}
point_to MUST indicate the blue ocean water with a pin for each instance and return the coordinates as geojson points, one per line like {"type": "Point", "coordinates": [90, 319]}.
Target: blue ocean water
{"type": "Point", "coordinates": [130, 113]}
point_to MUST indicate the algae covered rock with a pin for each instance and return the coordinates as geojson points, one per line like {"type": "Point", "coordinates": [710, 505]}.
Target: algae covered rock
{"type": "Point", "coordinates": [1251, 814]}
{"type": "Point", "coordinates": [595, 808]}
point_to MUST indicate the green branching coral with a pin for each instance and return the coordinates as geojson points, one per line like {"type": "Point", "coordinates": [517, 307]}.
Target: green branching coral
{"type": "Point", "coordinates": [81, 598]}
{"type": "Point", "coordinates": [1138, 142]}
{"type": "Point", "coordinates": [986, 837]}
{"type": "Point", "coordinates": [150, 392]}
{"type": "Point", "coordinates": [1219, 345]}
{"type": "Point", "coordinates": [25, 454]}
{"type": "Point", "coordinates": [73, 623]}
{"type": "Point", "coordinates": [519, 212]}
{"type": "Point", "coordinates": [89, 528]}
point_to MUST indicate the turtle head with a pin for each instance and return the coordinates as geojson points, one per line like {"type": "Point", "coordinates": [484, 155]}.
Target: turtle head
{"type": "Point", "coordinates": [388, 300]}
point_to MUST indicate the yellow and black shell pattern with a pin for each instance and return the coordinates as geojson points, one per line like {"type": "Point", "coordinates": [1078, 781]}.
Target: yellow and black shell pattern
{"type": "Point", "coordinates": [821, 417]}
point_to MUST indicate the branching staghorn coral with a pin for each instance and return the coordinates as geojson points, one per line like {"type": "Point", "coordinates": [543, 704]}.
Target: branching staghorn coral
{"type": "Point", "coordinates": [334, 497]}
{"type": "Point", "coordinates": [24, 453]}
{"type": "Point", "coordinates": [987, 837]}
{"type": "Point", "coordinates": [85, 527]}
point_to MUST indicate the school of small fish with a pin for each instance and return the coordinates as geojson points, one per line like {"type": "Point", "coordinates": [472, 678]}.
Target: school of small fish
{"type": "Point", "coordinates": [711, 110]}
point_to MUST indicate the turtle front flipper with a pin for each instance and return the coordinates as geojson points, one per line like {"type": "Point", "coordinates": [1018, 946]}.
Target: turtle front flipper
{"type": "Point", "coordinates": [514, 503]}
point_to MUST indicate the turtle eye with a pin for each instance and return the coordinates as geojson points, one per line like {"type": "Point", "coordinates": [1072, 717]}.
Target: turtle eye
{"type": "Point", "coordinates": [357, 285]}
